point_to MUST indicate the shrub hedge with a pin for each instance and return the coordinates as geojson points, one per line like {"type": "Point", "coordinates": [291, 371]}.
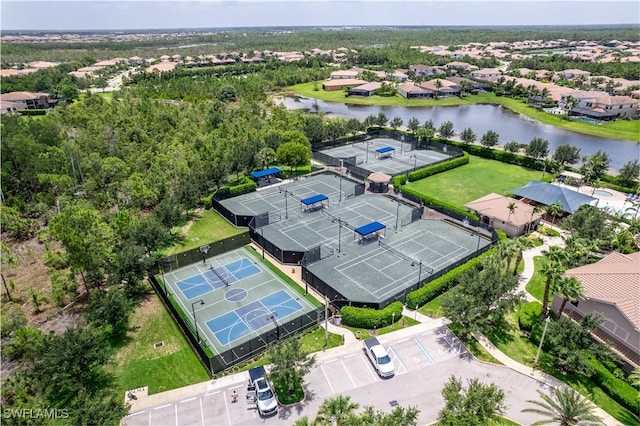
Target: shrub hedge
{"type": "Point", "coordinates": [622, 392]}
{"type": "Point", "coordinates": [500, 155]}
{"type": "Point", "coordinates": [438, 168]}
{"type": "Point", "coordinates": [430, 201]}
{"type": "Point", "coordinates": [529, 315]}
{"type": "Point", "coordinates": [441, 284]}
{"type": "Point", "coordinates": [369, 318]}
{"type": "Point", "coordinates": [245, 187]}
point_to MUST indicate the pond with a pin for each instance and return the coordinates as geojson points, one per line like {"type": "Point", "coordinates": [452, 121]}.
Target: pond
{"type": "Point", "coordinates": [481, 118]}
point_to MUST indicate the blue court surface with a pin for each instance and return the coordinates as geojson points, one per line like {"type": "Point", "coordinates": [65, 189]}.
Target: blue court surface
{"type": "Point", "coordinates": [215, 278]}
{"type": "Point", "coordinates": [253, 316]}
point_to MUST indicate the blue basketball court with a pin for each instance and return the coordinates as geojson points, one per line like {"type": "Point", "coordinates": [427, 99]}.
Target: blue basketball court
{"type": "Point", "coordinates": [215, 278]}
{"type": "Point", "coordinates": [252, 317]}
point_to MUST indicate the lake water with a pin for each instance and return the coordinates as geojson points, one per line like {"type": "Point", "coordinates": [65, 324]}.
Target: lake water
{"type": "Point", "coordinates": [481, 118]}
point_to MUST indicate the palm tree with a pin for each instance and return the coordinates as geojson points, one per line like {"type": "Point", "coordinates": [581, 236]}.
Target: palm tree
{"type": "Point", "coordinates": [507, 249]}
{"type": "Point", "coordinates": [512, 208]}
{"type": "Point", "coordinates": [556, 254]}
{"type": "Point", "coordinates": [566, 408]}
{"type": "Point", "coordinates": [569, 288]}
{"type": "Point", "coordinates": [553, 271]}
{"type": "Point", "coordinates": [438, 85]}
{"type": "Point", "coordinates": [554, 210]}
{"type": "Point", "coordinates": [522, 243]}
{"type": "Point", "coordinates": [336, 410]}
{"type": "Point", "coordinates": [536, 209]}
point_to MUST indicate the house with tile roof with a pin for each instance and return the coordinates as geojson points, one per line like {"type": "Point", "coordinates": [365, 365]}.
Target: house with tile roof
{"type": "Point", "coordinates": [493, 209]}
{"type": "Point", "coordinates": [411, 91]}
{"type": "Point", "coordinates": [486, 73]}
{"type": "Point", "coordinates": [367, 89]}
{"type": "Point", "coordinates": [612, 289]}
{"type": "Point", "coordinates": [341, 83]}
{"type": "Point", "coordinates": [441, 87]}
{"type": "Point", "coordinates": [28, 100]}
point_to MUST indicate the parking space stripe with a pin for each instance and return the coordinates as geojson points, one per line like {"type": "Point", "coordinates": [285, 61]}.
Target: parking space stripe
{"type": "Point", "coordinates": [187, 400]}
{"type": "Point", "coordinates": [163, 406]}
{"type": "Point", "coordinates": [201, 411]}
{"type": "Point", "coordinates": [371, 368]}
{"type": "Point", "coordinates": [424, 351]}
{"type": "Point", "coordinates": [348, 374]}
{"type": "Point", "coordinates": [211, 393]}
{"type": "Point", "coordinates": [398, 358]}
{"type": "Point", "coordinates": [176, 410]}
{"type": "Point", "coordinates": [226, 407]}
{"type": "Point", "coordinates": [135, 414]}
{"type": "Point", "coordinates": [327, 378]}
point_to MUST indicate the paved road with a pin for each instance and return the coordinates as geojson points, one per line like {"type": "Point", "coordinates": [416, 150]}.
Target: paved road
{"type": "Point", "coordinates": [425, 356]}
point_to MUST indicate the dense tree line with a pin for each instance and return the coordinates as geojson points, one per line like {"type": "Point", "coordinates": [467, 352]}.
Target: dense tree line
{"type": "Point", "coordinates": [246, 40]}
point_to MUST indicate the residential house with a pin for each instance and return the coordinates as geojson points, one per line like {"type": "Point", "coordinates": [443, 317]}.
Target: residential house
{"type": "Point", "coordinates": [612, 289]}
{"type": "Point", "coordinates": [341, 83]}
{"type": "Point", "coordinates": [601, 105]}
{"type": "Point", "coordinates": [441, 87]}
{"type": "Point", "coordinates": [494, 209]}
{"type": "Point", "coordinates": [399, 75]}
{"type": "Point", "coordinates": [367, 89]}
{"type": "Point", "coordinates": [344, 74]}
{"type": "Point", "coordinates": [571, 74]}
{"type": "Point", "coordinates": [477, 85]}
{"type": "Point", "coordinates": [411, 91]}
{"type": "Point", "coordinates": [7, 107]}
{"type": "Point", "coordinates": [422, 70]}
{"type": "Point", "coordinates": [486, 73]}
{"type": "Point", "coordinates": [27, 100]}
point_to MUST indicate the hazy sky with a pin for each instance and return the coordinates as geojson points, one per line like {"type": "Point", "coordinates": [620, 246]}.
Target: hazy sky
{"type": "Point", "coordinates": [156, 14]}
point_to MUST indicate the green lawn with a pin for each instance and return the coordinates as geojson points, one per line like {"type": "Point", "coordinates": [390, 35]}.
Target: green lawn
{"type": "Point", "coordinates": [401, 323]}
{"type": "Point", "coordinates": [208, 227]}
{"type": "Point", "coordinates": [621, 129]}
{"type": "Point", "coordinates": [536, 284]}
{"type": "Point", "coordinates": [474, 180]}
{"type": "Point", "coordinates": [521, 349]}
{"type": "Point", "coordinates": [138, 363]}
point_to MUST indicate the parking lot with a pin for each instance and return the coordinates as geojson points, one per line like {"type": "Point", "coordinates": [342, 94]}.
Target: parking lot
{"type": "Point", "coordinates": [345, 370]}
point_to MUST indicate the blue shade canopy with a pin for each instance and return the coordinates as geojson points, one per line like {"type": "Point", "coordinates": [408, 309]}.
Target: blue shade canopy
{"type": "Point", "coordinates": [385, 149]}
{"type": "Point", "coordinates": [369, 228]}
{"type": "Point", "coordinates": [314, 199]}
{"type": "Point", "coordinates": [264, 173]}
{"type": "Point", "coordinates": [545, 193]}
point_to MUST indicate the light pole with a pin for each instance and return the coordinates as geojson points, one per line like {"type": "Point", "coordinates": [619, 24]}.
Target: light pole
{"type": "Point", "coordinates": [340, 179]}
{"type": "Point", "coordinates": [326, 320]}
{"type": "Point", "coordinates": [340, 223]}
{"type": "Point", "coordinates": [478, 232]}
{"type": "Point", "coordinates": [544, 331]}
{"type": "Point", "coordinates": [398, 198]}
{"type": "Point", "coordinates": [415, 161]}
{"type": "Point", "coordinates": [419, 272]}
{"type": "Point", "coordinates": [366, 160]}
{"type": "Point", "coordinates": [286, 207]}
{"type": "Point", "coordinates": [195, 323]}
{"type": "Point", "coordinates": [262, 235]}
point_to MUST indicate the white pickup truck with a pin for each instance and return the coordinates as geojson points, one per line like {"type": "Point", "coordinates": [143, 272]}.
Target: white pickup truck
{"type": "Point", "coordinates": [379, 357]}
{"type": "Point", "coordinates": [260, 393]}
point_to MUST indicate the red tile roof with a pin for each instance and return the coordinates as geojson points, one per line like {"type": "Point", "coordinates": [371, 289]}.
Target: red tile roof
{"type": "Point", "coordinates": [615, 280]}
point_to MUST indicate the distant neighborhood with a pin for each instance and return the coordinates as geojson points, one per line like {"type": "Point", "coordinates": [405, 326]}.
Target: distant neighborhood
{"type": "Point", "coordinates": [574, 92]}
